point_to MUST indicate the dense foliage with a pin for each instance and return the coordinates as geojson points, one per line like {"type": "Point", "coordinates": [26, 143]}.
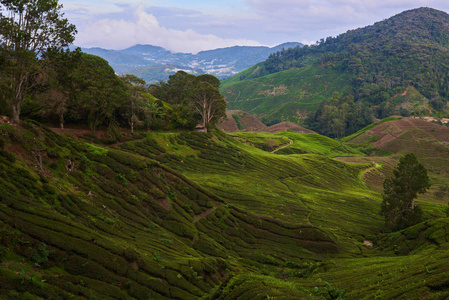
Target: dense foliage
{"type": "Point", "coordinates": [396, 66]}
{"type": "Point", "coordinates": [340, 116]}
{"type": "Point", "coordinates": [41, 79]}
{"type": "Point", "coordinates": [398, 206]}
{"type": "Point", "coordinates": [199, 93]}
{"type": "Point", "coordinates": [407, 49]}
{"type": "Point", "coordinates": [28, 29]}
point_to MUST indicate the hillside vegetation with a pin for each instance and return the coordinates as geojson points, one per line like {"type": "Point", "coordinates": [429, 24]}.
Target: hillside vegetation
{"type": "Point", "coordinates": [92, 210]}
{"type": "Point", "coordinates": [191, 215]}
{"type": "Point", "coordinates": [374, 64]}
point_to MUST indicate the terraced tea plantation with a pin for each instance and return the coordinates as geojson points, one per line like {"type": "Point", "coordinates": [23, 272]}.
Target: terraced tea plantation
{"type": "Point", "coordinates": [209, 216]}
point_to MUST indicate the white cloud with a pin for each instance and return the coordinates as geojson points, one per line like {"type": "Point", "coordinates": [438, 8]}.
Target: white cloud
{"type": "Point", "coordinates": [144, 28]}
{"type": "Point", "coordinates": [315, 19]}
{"type": "Point", "coordinates": [194, 25]}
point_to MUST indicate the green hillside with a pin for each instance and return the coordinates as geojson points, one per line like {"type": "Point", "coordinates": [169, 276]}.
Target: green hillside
{"type": "Point", "coordinates": [374, 64]}
{"type": "Point", "coordinates": [297, 143]}
{"type": "Point", "coordinates": [288, 95]}
{"type": "Point", "coordinates": [191, 215]}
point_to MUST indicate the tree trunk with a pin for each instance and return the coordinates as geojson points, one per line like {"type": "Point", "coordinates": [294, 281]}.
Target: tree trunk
{"type": "Point", "coordinates": [16, 112]}
{"type": "Point", "coordinates": [204, 117]}
{"type": "Point", "coordinates": [61, 121]}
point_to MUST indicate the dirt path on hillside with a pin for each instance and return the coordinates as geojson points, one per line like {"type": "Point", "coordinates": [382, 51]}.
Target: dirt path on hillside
{"type": "Point", "coordinates": [207, 212]}
{"type": "Point", "coordinates": [283, 146]}
{"type": "Point", "coordinates": [361, 175]}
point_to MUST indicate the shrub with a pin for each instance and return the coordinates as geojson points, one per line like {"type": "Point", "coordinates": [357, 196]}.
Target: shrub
{"type": "Point", "coordinates": [41, 254]}
{"type": "Point", "coordinates": [330, 293]}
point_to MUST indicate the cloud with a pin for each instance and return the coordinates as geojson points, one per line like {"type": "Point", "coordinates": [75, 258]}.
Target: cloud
{"type": "Point", "coordinates": [314, 19]}
{"type": "Point", "coordinates": [144, 28]}
{"type": "Point", "coordinates": [191, 26]}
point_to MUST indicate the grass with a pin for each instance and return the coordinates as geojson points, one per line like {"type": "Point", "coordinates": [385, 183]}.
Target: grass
{"type": "Point", "coordinates": [204, 215]}
{"type": "Point", "coordinates": [283, 94]}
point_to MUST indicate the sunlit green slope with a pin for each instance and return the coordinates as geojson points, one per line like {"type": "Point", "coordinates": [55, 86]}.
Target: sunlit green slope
{"type": "Point", "coordinates": [191, 215]}
{"type": "Point", "coordinates": [286, 95]}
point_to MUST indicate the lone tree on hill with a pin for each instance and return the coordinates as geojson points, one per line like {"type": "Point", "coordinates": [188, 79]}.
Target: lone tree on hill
{"type": "Point", "coordinates": [28, 28]}
{"type": "Point", "coordinates": [199, 93]}
{"type": "Point", "coordinates": [208, 102]}
{"type": "Point", "coordinates": [136, 88]}
{"type": "Point", "coordinates": [398, 206]}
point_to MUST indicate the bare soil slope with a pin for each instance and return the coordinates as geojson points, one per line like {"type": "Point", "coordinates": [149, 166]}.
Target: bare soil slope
{"type": "Point", "coordinates": [288, 126]}
{"type": "Point", "coordinates": [249, 123]}
{"type": "Point", "coordinates": [428, 141]}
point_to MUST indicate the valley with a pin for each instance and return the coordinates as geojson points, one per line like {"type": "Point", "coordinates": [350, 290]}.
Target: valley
{"type": "Point", "coordinates": [314, 172]}
{"type": "Point", "coordinates": [190, 215]}
{"type": "Point", "coordinates": [154, 64]}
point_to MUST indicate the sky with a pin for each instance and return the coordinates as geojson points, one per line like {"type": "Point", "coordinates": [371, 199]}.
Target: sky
{"type": "Point", "coordinates": [191, 26]}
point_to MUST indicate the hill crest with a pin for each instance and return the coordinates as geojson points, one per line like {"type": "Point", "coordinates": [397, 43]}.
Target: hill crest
{"type": "Point", "coordinates": [373, 64]}
{"type": "Point", "coordinates": [237, 120]}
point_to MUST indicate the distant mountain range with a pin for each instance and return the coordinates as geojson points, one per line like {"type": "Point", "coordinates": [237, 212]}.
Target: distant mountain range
{"type": "Point", "coordinates": [154, 63]}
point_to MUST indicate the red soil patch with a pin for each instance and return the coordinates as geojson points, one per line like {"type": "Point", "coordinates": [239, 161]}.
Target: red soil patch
{"type": "Point", "coordinates": [249, 122]}
{"type": "Point", "coordinates": [405, 92]}
{"type": "Point", "coordinates": [393, 130]}
{"type": "Point", "coordinates": [284, 126]}
{"type": "Point", "coordinates": [77, 132]}
{"type": "Point", "coordinates": [252, 124]}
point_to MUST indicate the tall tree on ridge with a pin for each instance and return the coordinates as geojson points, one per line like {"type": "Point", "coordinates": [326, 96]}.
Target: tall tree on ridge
{"type": "Point", "coordinates": [398, 205]}
{"type": "Point", "coordinates": [28, 29]}
{"type": "Point", "coordinates": [135, 86]}
{"type": "Point", "coordinates": [207, 100]}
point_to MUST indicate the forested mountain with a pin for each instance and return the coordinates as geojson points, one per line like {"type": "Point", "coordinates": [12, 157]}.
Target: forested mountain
{"type": "Point", "coordinates": [372, 64]}
{"type": "Point", "coordinates": [154, 63]}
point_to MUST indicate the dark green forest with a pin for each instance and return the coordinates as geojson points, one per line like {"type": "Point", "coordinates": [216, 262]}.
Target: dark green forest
{"type": "Point", "coordinates": [82, 89]}
{"type": "Point", "coordinates": [407, 49]}
{"type": "Point", "coordinates": [378, 62]}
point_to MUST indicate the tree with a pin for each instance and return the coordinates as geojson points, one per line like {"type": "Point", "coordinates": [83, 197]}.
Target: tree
{"type": "Point", "coordinates": [28, 28]}
{"type": "Point", "coordinates": [398, 205]}
{"type": "Point", "coordinates": [135, 103]}
{"type": "Point", "coordinates": [56, 87]}
{"type": "Point", "coordinates": [177, 90]}
{"type": "Point", "coordinates": [99, 92]}
{"type": "Point", "coordinates": [200, 94]}
{"type": "Point", "coordinates": [208, 102]}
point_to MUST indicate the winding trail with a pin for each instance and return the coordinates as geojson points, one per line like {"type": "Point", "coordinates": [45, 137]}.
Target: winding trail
{"type": "Point", "coordinates": [206, 212]}
{"type": "Point", "coordinates": [283, 146]}
{"type": "Point", "coordinates": [361, 175]}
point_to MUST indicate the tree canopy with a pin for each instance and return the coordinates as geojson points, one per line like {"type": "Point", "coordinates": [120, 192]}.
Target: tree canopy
{"type": "Point", "coordinates": [28, 29]}
{"type": "Point", "coordinates": [398, 205]}
{"type": "Point", "coordinates": [340, 116]}
{"type": "Point", "coordinates": [380, 62]}
{"type": "Point", "coordinates": [199, 93]}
